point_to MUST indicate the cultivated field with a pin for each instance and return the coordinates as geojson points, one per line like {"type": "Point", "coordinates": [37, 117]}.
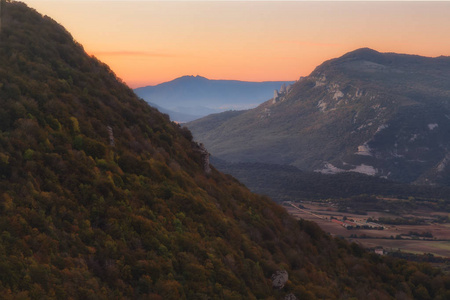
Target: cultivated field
{"type": "Point", "coordinates": [431, 237]}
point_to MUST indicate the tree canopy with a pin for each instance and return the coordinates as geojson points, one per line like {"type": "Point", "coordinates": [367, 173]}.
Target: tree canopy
{"type": "Point", "coordinates": [84, 218]}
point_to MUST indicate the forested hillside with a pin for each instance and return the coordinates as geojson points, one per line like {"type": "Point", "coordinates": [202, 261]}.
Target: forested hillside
{"type": "Point", "coordinates": [287, 183]}
{"type": "Point", "coordinates": [101, 197]}
{"type": "Point", "coordinates": [380, 114]}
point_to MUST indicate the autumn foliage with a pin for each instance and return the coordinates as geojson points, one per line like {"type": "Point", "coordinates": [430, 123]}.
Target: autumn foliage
{"type": "Point", "coordinates": [84, 218]}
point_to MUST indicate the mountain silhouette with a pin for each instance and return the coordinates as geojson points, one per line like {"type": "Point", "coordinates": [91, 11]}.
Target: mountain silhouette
{"type": "Point", "coordinates": [198, 96]}
{"type": "Point", "coordinates": [102, 197]}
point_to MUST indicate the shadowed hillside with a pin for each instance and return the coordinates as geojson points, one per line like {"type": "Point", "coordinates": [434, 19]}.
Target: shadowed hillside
{"type": "Point", "coordinates": [381, 114]}
{"type": "Point", "coordinates": [101, 197]}
{"type": "Point", "coordinates": [287, 183]}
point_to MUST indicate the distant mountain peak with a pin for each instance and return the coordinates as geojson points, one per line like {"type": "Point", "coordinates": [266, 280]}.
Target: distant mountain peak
{"type": "Point", "coordinates": [362, 52]}
{"type": "Point", "coordinates": [190, 78]}
{"type": "Point", "coordinates": [360, 55]}
{"type": "Point", "coordinates": [365, 54]}
{"type": "Point", "coordinates": [103, 197]}
{"type": "Point", "coordinates": [200, 96]}
{"type": "Point", "coordinates": [365, 111]}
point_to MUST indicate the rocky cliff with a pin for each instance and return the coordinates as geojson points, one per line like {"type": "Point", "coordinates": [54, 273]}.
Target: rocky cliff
{"type": "Point", "coordinates": [102, 197]}
{"type": "Point", "coordinates": [381, 114]}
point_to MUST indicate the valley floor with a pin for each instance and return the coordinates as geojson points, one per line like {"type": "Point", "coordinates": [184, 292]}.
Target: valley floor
{"type": "Point", "coordinates": [429, 237]}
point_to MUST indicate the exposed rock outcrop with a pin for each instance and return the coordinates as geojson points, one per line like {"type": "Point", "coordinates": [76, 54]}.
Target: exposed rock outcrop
{"type": "Point", "coordinates": [279, 279]}
{"type": "Point", "coordinates": [280, 95]}
{"type": "Point", "coordinates": [205, 157]}
{"type": "Point", "coordinates": [275, 96]}
{"type": "Point", "coordinates": [375, 121]}
{"type": "Point", "coordinates": [111, 136]}
{"type": "Point", "coordinates": [290, 297]}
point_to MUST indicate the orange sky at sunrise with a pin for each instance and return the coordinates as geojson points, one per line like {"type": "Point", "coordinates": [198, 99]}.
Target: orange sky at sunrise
{"type": "Point", "coordinates": [149, 42]}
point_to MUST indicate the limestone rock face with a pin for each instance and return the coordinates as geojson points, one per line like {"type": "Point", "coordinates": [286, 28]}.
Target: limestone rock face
{"type": "Point", "coordinates": [359, 113]}
{"type": "Point", "coordinates": [281, 95]}
{"type": "Point", "coordinates": [275, 96]}
{"type": "Point", "coordinates": [279, 279]}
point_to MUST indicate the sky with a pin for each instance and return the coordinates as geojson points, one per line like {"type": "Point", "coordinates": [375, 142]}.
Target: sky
{"type": "Point", "coordinates": [149, 42]}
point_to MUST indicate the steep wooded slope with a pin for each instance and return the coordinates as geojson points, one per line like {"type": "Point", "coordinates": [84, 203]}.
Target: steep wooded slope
{"type": "Point", "coordinates": [287, 183]}
{"type": "Point", "coordinates": [381, 114]}
{"type": "Point", "coordinates": [101, 197]}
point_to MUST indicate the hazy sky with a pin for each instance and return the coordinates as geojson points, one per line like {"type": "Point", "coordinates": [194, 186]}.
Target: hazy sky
{"type": "Point", "coordinates": [148, 42]}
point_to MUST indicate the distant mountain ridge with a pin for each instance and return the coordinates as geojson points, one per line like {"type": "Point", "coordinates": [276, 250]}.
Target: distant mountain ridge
{"type": "Point", "coordinates": [102, 197]}
{"type": "Point", "coordinates": [199, 96]}
{"type": "Point", "coordinates": [182, 117]}
{"type": "Point", "coordinates": [382, 114]}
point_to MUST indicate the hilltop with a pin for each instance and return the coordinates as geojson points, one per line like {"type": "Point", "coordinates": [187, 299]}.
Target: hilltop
{"type": "Point", "coordinates": [102, 197]}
